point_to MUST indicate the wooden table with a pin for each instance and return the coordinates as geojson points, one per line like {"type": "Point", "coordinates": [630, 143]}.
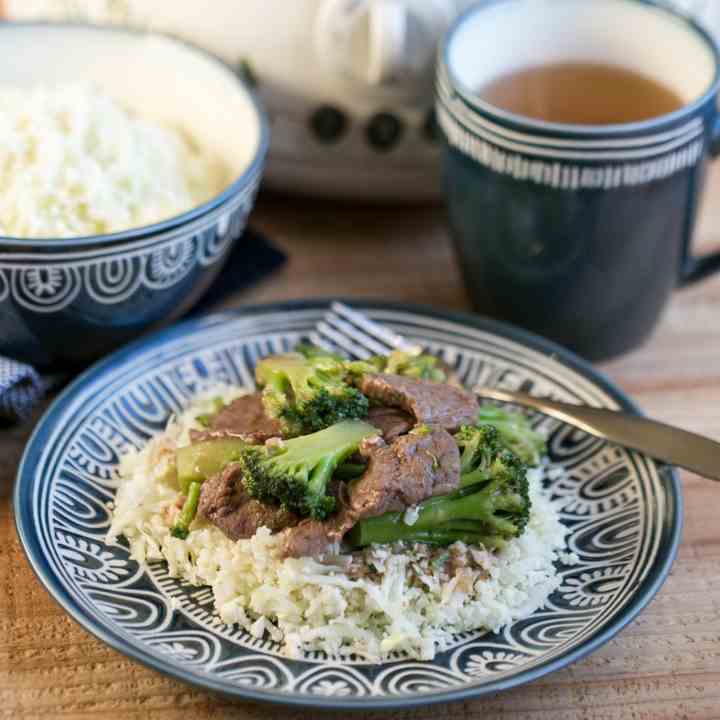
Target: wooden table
{"type": "Point", "coordinates": [665, 665]}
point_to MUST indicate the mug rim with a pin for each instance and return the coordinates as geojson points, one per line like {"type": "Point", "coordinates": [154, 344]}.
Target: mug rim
{"type": "Point", "coordinates": [477, 103]}
{"type": "Point", "coordinates": [253, 168]}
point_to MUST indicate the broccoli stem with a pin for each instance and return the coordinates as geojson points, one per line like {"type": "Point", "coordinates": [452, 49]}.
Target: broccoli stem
{"type": "Point", "coordinates": [349, 471]}
{"type": "Point", "coordinates": [196, 463]}
{"type": "Point", "coordinates": [323, 471]}
{"type": "Point", "coordinates": [474, 477]}
{"type": "Point", "coordinates": [469, 515]}
{"type": "Point", "coordinates": [181, 528]}
{"type": "Point", "coordinates": [362, 535]}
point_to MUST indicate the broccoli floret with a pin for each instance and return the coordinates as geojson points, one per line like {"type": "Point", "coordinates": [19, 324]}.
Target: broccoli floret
{"type": "Point", "coordinates": [308, 393]}
{"type": "Point", "coordinates": [295, 473]}
{"type": "Point", "coordinates": [410, 363]}
{"type": "Point", "coordinates": [491, 506]}
{"type": "Point", "coordinates": [515, 433]}
{"type": "Point", "coordinates": [483, 457]}
{"type": "Point", "coordinates": [479, 446]}
{"type": "Point", "coordinates": [414, 363]}
{"type": "Point", "coordinates": [312, 352]}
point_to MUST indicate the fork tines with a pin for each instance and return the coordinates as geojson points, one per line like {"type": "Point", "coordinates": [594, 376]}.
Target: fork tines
{"type": "Point", "coordinates": [349, 332]}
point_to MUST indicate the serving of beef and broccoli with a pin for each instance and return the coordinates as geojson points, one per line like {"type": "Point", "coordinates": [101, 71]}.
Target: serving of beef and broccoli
{"type": "Point", "coordinates": [352, 506]}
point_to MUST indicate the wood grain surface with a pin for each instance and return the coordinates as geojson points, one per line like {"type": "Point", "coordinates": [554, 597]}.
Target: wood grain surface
{"type": "Point", "coordinates": [665, 665]}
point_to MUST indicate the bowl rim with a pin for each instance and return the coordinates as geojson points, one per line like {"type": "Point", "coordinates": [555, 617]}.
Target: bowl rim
{"type": "Point", "coordinates": [252, 169]}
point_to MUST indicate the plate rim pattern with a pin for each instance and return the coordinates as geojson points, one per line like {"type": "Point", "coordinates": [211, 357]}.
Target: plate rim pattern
{"type": "Point", "coordinates": [669, 533]}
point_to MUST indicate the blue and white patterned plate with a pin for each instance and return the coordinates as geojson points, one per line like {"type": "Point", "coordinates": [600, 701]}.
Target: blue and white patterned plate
{"type": "Point", "coordinates": [623, 511]}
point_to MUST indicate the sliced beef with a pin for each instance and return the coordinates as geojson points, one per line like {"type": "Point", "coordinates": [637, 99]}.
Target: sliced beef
{"type": "Point", "coordinates": [428, 402]}
{"type": "Point", "coordinates": [246, 416]}
{"type": "Point", "coordinates": [311, 538]}
{"type": "Point", "coordinates": [392, 422]}
{"type": "Point", "coordinates": [225, 503]}
{"type": "Point", "coordinates": [412, 469]}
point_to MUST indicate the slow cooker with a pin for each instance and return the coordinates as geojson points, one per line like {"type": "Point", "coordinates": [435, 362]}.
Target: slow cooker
{"type": "Point", "coordinates": [348, 84]}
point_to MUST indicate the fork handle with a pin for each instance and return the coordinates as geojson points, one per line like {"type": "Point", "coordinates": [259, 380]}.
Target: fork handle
{"type": "Point", "coordinates": [672, 445]}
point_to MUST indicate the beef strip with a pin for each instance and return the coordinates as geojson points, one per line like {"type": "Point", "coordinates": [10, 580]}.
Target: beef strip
{"type": "Point", "coordinates": [246, 416]}
{"type": "Point", "coordinates": [225, 503]}
{"type": "Point", "coordinates": [311, 538]}
{"type": "Point", "coordinates": [412, 469]}
{"type": "Point", "coordinates": [429, 402]}
{"type": "Point", "coordinates": [392, 422]}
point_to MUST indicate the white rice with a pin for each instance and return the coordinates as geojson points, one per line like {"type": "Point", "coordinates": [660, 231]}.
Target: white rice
{"type": "Point", "coordinates": [407, 601]}
{"type": "Point", "coordinates": [75, 162]}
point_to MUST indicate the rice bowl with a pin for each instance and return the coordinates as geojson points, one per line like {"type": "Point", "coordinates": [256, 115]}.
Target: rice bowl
{"type": "Point", "coordinates": [106, 289]}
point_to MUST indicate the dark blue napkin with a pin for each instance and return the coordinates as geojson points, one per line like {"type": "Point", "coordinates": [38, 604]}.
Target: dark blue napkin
{"type": "Point", "coordinates": [253, 258]}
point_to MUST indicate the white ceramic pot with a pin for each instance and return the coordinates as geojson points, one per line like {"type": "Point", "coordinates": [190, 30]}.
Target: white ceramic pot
{"type": "Point", "coordinates": [348, 83]}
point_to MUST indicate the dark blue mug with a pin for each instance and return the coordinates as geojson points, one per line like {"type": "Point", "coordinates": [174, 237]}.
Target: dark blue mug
{"type": "Point", "coordinates": [577, 232]}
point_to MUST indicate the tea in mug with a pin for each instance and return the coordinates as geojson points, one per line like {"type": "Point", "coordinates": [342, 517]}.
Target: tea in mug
{"type": "Point", "coordinates": [581, 94]}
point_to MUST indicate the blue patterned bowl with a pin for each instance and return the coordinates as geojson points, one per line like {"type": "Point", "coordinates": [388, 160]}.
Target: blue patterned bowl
{"type": "Point", "coordinates": [623, 512]}
{"type": "Point", "coordinates": [65, 302]}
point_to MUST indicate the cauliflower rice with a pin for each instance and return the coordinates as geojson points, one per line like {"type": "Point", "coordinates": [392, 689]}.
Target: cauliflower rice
{"type": "Point", "coordinates": [387, 599]}
{"type": "Point", "coordinates": [75, 162]}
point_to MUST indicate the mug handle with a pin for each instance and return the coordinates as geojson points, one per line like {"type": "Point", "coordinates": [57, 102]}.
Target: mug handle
{"type": "Point", "coordinates": [698, 268]}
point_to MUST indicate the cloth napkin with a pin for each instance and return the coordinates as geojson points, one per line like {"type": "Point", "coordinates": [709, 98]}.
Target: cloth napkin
{"type": "Point", "coordinates": [253, 258]}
